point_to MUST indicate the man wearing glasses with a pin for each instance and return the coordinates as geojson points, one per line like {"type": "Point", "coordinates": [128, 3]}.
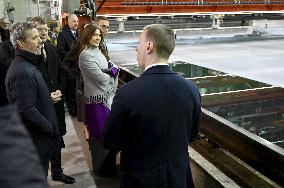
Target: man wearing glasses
{"type": "Point", "coordinates": [103, 24]}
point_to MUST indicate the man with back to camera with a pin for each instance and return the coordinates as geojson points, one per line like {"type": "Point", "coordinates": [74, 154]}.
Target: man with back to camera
{"type": "Point", "coordinates": [26, 88]}
{"type": "Point", "coordinates": [154, 117]}
{"type": "Point", "coordinates": [52, 71]}
{"type": "Point", "coordinates": [65, 39]}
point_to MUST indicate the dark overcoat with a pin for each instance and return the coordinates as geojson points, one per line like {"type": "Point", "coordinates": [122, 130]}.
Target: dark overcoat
{"type": "Point", "coordinates": [26, 88]}
{"type": "Point", "coordinates": [4, 65]}
{"type": "Point", "coordinates": [64, 41]}
{"type": "Point", "coordinates": [152, 120]}
{"type": "Point", "coordinates": [54, 75]}
{"type": "Point", "coordinates": [20, 164]}
{"type": "Point", "coordinates": [5, 34]}
{"type": "Point", "coordinates": [7, 54]}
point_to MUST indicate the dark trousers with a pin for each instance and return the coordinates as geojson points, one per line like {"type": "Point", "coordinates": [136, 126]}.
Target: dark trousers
{"type": "Point", "coordinates": [55, 161]}
{"type": "Point", "coordinates": [70, 96]}
{"type": "Point", "coordinates": [60, 113]}
{"type": "Point", "coordinates": [45, 166]}
{"type": "Point", "coordinates": [80, 99]}
{"type": "Point", "coordinates": [104, 161]}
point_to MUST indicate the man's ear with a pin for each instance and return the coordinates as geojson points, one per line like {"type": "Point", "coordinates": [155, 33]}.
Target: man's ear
{"type": "Point", "coordinates": [20, 43]}
{"type": "Point", "coordinates": [150, 47]}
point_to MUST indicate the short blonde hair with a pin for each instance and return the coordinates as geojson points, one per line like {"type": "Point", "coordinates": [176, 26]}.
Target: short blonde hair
{"type": "Point", "coordinates": [162, 37]}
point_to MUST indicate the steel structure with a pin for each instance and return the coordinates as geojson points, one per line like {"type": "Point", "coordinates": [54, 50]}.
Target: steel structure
{"type": "Point", "coordinates": [186, 6]}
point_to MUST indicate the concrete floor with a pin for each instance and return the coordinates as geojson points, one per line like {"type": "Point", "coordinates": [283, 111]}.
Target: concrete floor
{"type": "Point", "coordinates": [76, 160]}
{"type": "Point", "coordinates": [258, 60]}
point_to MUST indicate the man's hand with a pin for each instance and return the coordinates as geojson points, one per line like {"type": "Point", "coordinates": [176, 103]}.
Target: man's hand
{"type": "Point", "coordinates": [56, 96]}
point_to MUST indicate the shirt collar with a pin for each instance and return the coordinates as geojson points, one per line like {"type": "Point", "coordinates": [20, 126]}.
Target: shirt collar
{"type": "Point", "coordinates": [152, 65]}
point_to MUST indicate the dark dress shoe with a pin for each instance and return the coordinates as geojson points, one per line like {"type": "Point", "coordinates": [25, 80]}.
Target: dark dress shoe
{"type": "Point", "coordinates": [63, 178]}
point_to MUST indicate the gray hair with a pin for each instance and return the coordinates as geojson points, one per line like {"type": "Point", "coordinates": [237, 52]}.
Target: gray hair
{"type": "Point", "coordinates": [18, 32]}
{"type": "Point", "coordinates": [162, 37]}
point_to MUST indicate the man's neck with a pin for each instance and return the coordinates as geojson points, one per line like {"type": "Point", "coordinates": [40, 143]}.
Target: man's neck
{"type": "Point", "coordinates": [155, 64]}
{"type": "Point", "coordinates": [155, 60]}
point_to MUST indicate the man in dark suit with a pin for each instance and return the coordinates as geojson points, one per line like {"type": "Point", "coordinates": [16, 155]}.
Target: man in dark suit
{"type": "Point", "coordinates": [4, 65]}
{"type": "Point", "coordinates": [103, 24]}
{"type": "Point", "coordinates": [7, 54]}
{"type": "Point", "coordinates": [67, 36]}
{"type": "Point", "coordinates": [65, 39]}
{"type": "Point", "coordinates": [4, 29]}
{"type": "Point", "coordinates": [26, 88]}
{"type": "Point", "coordinates": [52, 71]}
{"type": "Point", "coordinates": [20, 165]}
{"type": "Point", "coordinates": [154, 117]}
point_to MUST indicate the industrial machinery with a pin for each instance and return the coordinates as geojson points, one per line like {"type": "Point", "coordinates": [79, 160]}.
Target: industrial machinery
{"type": "Point", "coordinates": [185, 6]}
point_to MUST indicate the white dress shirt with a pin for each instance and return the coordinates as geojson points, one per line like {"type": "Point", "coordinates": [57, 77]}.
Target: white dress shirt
{"type": "Point", "coordinates": [152, 65]}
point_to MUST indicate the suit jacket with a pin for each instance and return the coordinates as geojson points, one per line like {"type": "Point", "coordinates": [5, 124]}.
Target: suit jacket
{"type": "Point", "coordinates": [152, 121]}
{"type": "Point", "coordinates": [64, 41]}
{"type": "Point", "coordinates": [27, 89]}
{"type": "Point", "coordinates": [52, 68]}
{"type": "Point", "coordinates": [20, 165]}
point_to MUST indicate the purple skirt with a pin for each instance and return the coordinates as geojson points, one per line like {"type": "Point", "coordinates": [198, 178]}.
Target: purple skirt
{"type": "Point", "coordinates": [96, 116]}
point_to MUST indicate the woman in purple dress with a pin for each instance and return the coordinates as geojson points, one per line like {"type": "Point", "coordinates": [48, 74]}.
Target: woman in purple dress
{"type": "Point", "coordinates": [100, 83]}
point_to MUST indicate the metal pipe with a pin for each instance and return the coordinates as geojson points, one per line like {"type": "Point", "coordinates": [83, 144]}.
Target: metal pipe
{"type": "Point", "coordinates": [38, 8]}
